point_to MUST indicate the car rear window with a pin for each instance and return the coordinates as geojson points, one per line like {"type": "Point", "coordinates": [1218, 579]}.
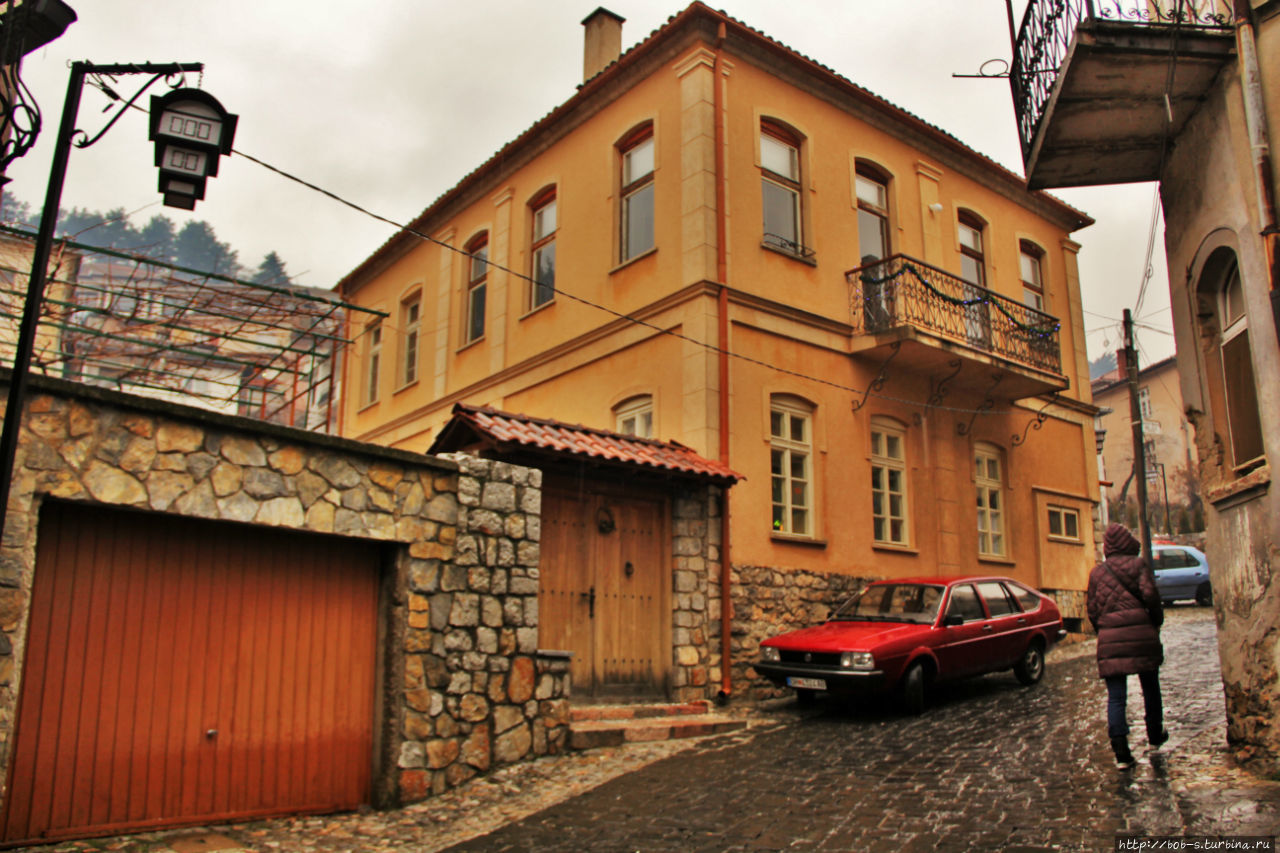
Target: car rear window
{"type": "Point", "coordinates": [1028, 599]}
{"type": "Point", "coordinates": [998, 600]}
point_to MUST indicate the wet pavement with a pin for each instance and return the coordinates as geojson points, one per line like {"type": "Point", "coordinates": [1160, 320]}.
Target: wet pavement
{"type": "Point", "coordinates": [990, 765]}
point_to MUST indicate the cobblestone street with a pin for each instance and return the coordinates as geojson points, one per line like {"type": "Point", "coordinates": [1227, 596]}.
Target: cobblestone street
{"type": "Point", "coordinates": [989, 766]}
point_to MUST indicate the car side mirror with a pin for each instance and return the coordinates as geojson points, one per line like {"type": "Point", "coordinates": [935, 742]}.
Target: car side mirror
{"type": "Point", "coordinates": [952, 620]}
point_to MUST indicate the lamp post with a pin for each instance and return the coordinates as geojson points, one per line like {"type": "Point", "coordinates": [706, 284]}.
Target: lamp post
{"type": "Point", "coordinates": [1151, 468]}
{"type": "Point", "coordinates": [68, 135]}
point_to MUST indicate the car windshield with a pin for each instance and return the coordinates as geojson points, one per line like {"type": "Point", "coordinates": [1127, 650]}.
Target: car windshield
{"type": "Point", "coordinates": [900, 602]}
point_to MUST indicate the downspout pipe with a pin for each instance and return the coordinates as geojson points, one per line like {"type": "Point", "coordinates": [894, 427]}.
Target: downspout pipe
{"type": "Point", "coordinates": [1255, 119]}
{"type": "Point", "coordinates": [722, 274]}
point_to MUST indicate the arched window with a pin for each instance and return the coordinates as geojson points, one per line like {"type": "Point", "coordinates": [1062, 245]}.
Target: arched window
{"type": "Point", "coordinates": [889, 522]}
{"type": "Point", "coordinates": [871, 184]}
{"type": "Point", "coordinates": [477, 278]}
{"type": "Point", "coordinates": [1240, 390]}
{"type": "Point", "coordinates": [636, 158]}
{"type": "Point", "coordinates": [988, 476]}
{"type": "Point", "coordinates": [634, 416]}
{"type": "Point", "coordinates": [780, 187]}
{"type": "Point", "coordinates": [543, 249]}
{"type": "Point", "coordinates": [791, 464]}
{"type": "Point", "coordinates": [1030, 270]}
{"type": "Point", "coordinates": [973, 269]}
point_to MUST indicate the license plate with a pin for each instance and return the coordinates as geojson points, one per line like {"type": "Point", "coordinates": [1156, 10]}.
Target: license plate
{"type": "Point", "coordinates": [807, 683]}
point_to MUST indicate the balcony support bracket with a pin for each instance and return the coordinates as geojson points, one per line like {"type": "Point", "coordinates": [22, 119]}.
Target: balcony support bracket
{"type": "Point", "coordinates": [1034, 423]}
{"type": "Point", "coordinates": [939, 391]}
{"type": "Point", "coordinates": [988, 404]}
{"type": "Point", "coordinates": [881, 376]}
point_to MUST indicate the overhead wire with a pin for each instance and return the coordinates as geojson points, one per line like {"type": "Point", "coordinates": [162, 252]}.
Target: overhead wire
{"type": "Point", "coordinates": [710, 347]}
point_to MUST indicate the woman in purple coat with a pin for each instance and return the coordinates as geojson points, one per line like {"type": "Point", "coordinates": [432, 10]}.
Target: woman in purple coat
{"type": "Point", "coordinates": [1124, 607]}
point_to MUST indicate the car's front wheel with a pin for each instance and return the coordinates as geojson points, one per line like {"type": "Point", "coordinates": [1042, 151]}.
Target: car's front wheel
{"type": "Point", "coordinates": [1030, 668]}
{"type": "Point", "coordinates": [911, 696]}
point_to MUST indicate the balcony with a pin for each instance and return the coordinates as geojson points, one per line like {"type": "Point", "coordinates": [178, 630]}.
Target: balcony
{"type": "Point", "coordinates": [936, 323]}
{"type": "Point", "coordinates": [1101, 86]}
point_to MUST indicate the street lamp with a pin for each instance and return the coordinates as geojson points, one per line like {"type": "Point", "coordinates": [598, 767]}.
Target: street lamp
{"type": "Point", "coordinates": [68, 135]}
{"type": "Point", "coordinates": [191, 131]}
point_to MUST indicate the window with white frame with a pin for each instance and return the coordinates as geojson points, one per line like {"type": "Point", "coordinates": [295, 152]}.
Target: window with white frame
{"type": "Point", "coordinates": [543, 287]}
{"type": "Point", "coordinates": [635, 416]}
{"type": "Point", "coordinates": [410, 335]}
{"type": "Point", "coordinates": [477, 278]}
{"type": "Point", "coordinates": [780, 187]}
{"type": "Point", "coordinates": [372, 360]}
{"type": "Point", "coordinates": [791, 465]}
{"type": "Point", "coordinates": [989, 480]}
{"type": "Point", "coordinates": [888, 483]}
{"type": "Point", "coordinates": [637, 219]}
{"type": "Point", "coordinates": [1030, 258]}
{"type": "Point", "coordinates": [872, 189]}
{"type": "Point", "coordinates": [1064, 523]}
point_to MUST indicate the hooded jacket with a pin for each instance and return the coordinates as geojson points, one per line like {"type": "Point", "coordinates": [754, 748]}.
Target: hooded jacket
{"type": "Point", "coordinates": [1124, 607]}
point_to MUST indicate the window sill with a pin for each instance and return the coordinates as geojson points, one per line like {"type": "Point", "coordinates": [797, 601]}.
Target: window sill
{"type": "Point", "coordinates": [405, 387]}
{"type": "Point", "coordinates": [629, 261]}
{"type": "Point", "coordinates": [773, 247]}
{"type": "Point", "coordinates": [469, 344]}
{"type": "Point", "coordinates": [792, 539]}
{"type": "Point", "coordinates": [1065, 540]}
{"type": "Point", "coordinates": [1240, 490]}
{"type": "Point", "coordinates": [996, 559]}
{"type": "Point", "coordinates": [891, 548]}
{"type": "Point", "coordinates": [543, 307]}
{"type": "Point", "coordinates": [366, 406]}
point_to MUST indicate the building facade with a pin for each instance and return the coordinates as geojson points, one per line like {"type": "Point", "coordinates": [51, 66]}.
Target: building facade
{"type": "Point", "coordinates": [1173, 468]}
{"type": "Point", "coordinates": [1189, 94]}
{"type": "Point", "coordinates": [720, 242]}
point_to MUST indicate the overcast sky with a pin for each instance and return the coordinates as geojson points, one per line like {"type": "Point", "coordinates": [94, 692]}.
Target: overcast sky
{"type": "Point", "coordinates": [389, 104]}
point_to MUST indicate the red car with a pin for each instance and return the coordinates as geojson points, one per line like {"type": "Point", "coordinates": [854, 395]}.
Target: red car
{"type": "Point", "coordinates": [904, 635]}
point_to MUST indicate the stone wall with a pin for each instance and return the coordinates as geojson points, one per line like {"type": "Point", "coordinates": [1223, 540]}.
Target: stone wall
{"type": "Point", "coordinates": [476, 691]}
{"type": "Point", "coordinates": [695, 600]}
{"type": "Point", "coordinates": [464, 687]}
{"type": "Point", "coordinates": [769, 601]}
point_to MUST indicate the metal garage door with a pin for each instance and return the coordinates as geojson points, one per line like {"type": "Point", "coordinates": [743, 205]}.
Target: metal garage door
{"type": "Point", "coordinates": [180, 671]}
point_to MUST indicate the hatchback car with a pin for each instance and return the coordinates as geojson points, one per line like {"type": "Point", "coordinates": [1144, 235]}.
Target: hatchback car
{"type": "Point", "coordinates": [904, 635]}
{"type": "Point", "coordinates": [1182, 573]}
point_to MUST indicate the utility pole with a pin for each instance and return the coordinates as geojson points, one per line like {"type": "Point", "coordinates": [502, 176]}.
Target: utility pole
{"type": "Point", "coordinates": [1139, 446]}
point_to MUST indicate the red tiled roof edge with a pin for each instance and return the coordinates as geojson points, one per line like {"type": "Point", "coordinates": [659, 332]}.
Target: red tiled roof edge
{"type": "Point", "coordinates": [590, 442]}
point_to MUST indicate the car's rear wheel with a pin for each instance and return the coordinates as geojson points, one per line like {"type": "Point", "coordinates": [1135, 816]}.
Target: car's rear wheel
{"type": "Point", "coordinates": [1204, 595]}
{"type": "Point", "coordinates": [1030, 667]}
{"type": "Point", "coordinates": [911, 696]}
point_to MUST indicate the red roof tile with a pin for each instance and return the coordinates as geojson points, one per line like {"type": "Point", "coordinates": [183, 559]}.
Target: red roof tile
{"type": "Point", "coordinates": [577, 440]}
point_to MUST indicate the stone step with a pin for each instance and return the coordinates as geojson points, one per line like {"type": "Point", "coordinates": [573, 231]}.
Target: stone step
{"type": "Point", "coordinates": [592, 734]}
{"type": "Point", "coordinates": [637, 711]}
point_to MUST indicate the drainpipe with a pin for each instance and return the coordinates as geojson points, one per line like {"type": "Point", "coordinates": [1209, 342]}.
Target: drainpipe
{"type": "Point", "coordinates": [1255, 118]}
{"type": "Point", "coordinates": [722, 274]}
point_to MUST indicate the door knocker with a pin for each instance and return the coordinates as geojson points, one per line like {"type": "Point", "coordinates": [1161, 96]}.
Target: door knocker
{"type": "Point", "coordinates": [604, 520]}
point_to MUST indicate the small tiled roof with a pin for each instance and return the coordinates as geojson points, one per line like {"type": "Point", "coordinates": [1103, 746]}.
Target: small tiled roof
{"type": "Point", "coordinates": [549, 436]}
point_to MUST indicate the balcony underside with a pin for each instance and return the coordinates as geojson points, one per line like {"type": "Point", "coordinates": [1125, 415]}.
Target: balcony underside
{"type": "Point", "coordinates": [923, 353]}
{"type": "Point", "coordinates": [1106, 118]}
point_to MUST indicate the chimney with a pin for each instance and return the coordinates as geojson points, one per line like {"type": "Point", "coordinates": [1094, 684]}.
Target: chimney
{"type": "Point", "coordinates": [602, 42]}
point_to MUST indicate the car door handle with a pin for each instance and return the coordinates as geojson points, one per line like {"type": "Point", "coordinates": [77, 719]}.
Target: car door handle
{"type": "Point", "coordinates": [1022, 620]}
{"type": "Point", "coordinates": [986, 627]}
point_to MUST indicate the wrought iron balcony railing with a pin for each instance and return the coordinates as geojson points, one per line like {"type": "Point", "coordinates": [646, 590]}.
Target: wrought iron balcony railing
{"type": "Point", "coordinates": [1048, 26]}
{"type": "Point", "coordinates": [901, 291]}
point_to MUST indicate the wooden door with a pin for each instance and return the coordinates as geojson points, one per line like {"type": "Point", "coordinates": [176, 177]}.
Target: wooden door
{"type": "Point", "coordinates": [604, 590]}
{"type": "Point", "coordinates": [184, 671]}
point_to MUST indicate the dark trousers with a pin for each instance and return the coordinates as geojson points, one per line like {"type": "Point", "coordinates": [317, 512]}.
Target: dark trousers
{"type": "Point", "coordinates": [1117, 694]}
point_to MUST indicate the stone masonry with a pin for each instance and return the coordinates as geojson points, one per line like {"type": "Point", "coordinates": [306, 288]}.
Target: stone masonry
{"type": "Point", "coordinates": [464, 688]}
{"type": "Point", "coordinates": [477, 693]}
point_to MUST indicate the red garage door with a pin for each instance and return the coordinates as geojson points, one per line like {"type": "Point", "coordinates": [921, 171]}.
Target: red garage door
{"type": "Point", "coordinates": [181, 671]}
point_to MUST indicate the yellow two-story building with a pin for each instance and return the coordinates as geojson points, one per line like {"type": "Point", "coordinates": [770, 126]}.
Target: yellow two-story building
{"type": "Point", "coordinates": [719, 242]}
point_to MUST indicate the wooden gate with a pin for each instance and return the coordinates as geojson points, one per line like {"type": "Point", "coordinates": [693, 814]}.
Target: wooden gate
{"type": "Point", "coordinates": [604, 592]}
{"type": "Point", "coordinates": [182, 671]}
